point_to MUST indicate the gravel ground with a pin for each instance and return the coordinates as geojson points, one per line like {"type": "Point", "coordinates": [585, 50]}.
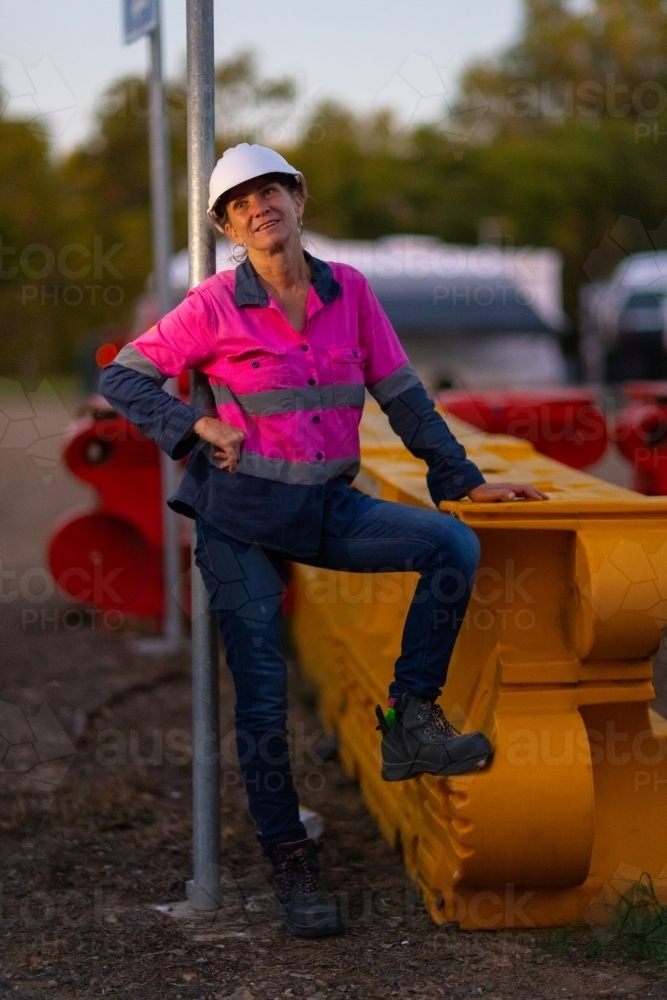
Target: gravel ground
{"type": "Point", "coordinates": [93, 874]}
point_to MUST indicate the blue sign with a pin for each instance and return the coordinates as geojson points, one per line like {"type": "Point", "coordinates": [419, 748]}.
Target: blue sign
{"type": "Point", "coordinates": [139, 18]}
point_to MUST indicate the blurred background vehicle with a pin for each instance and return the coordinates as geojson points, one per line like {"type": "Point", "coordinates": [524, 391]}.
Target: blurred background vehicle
{"type": "Point", "coordinates": [624, 321]}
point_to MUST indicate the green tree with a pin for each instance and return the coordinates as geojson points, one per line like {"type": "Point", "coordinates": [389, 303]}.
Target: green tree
{"type": "Point", "coordinates": [105, 202]}
{"type": "Point", "coordinates": [29, 244]}
{"type": "Point", "coordinates": [576, 124]}
{"type": "Point", "coordinates": [608, 63]}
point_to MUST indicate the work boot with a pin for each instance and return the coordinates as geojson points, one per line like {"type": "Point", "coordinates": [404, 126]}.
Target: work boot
{"type": "Point", "coordinates": [310, 910]}
{"type": "Point", "coordinates": [418, 739]}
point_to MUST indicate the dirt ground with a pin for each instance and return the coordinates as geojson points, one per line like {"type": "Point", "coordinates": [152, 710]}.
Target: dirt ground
{"type": "Point", "coordinates": [95, 853]}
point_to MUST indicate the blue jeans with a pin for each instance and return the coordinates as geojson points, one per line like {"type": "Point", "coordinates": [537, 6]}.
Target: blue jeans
{"type": "Point", "coordinates": [245, 584]}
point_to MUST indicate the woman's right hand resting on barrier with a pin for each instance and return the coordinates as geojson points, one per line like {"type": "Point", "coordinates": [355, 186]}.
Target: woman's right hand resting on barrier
{"type": "Point", "coordinates": [495, 492]}
{"type": "Point", "coordinates": [226, 440]}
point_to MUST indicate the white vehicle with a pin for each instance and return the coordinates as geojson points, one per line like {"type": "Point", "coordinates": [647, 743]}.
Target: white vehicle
{"type": "Point", "coordinates": [624, 321]}
{"type": "Point", "coordinates": [477, 317]}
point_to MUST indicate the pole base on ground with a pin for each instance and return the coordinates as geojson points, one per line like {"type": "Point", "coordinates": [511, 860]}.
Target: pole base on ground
{"type": "Point", "coordinates": [205, 893]}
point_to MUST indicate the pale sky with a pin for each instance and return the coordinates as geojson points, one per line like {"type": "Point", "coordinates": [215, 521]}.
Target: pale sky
{"type": "Point", "coordinates": [57, 56]}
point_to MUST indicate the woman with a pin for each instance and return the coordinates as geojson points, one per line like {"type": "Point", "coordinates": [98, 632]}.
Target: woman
{"type": "Point", "coordinates": [290, 344]}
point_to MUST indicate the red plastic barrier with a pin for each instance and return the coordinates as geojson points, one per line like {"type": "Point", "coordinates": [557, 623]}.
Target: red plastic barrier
{"type": "Point", "coordinates": [640, 435]}
{"type": "Point", "coordinates": [563, 423]}
{"type": "Point", "coordinates": [111, 557]}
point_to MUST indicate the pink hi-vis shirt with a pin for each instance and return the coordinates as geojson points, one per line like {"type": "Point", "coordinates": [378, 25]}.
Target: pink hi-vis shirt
{"type": "Point", "coordinates": [298, 396]}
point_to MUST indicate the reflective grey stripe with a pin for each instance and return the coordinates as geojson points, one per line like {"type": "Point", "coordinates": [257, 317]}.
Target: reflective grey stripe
{"type": "Point", "coordinates": [130, 357]}
{"type": "Point", "coordinates": [261, 404]}
{"type": "Point", "coordinates": [393, 385]}
{"type": "Point", "coordinates": [346, 394]}
{"type": "Point", "coordinates": [295, 473]}
{"type": "Point", "coordinates": [325, 397]}
{"type": "Point", "coordinates": [223, 394]}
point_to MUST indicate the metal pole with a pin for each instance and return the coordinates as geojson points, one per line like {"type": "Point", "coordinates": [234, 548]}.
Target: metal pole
{"type": "Point", "coordinates": [204, 889]}
{"type": "Point", "coordinates": [172, 639]}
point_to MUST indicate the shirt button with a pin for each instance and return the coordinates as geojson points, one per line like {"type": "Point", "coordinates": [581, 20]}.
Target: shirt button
{"type": "Point", "coordinates": [304, 347]}
{"type": "Point", "coordinates": [355, 354]}
{"type": "Point", "coordinates": [316, 420]}
{"type": "Point", "coordinates": [255, 364]}
{"type": "Point", "coordinates": [320, 455]}
{"type": "Point", "coordinates": [312, 381]}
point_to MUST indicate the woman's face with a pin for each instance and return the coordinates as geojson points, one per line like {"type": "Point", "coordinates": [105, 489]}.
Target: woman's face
{"type": "Point", "coordinates": [263, 215]}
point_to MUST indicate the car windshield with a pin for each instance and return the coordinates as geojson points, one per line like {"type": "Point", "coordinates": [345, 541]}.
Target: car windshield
{"type": "Point", "coordinates": [643, 270]}
{"type": "Point", "coordinates": [645, 300]}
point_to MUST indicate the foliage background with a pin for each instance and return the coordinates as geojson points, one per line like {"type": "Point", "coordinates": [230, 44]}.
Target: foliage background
{"type": "Point", "coordinates": [551, 143]}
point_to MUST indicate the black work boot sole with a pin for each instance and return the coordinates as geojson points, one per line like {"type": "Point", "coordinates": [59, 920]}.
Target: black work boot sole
{"type": "Point", "coordinates": [403, 771]}
{"type": "Point", "coordinates": [313, 916]}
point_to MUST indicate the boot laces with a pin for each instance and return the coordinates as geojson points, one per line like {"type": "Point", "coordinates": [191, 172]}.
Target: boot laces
{"type": "Point", "coordinates": [437, 724]}
{"type": "Point", "coordinates": [297, 874]}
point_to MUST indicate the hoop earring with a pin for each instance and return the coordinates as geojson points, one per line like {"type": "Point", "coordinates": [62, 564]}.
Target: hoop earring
{"type": "Point", "coordinates": [299, 226]}
{"type": "Point", "coordinates": [244, 253]}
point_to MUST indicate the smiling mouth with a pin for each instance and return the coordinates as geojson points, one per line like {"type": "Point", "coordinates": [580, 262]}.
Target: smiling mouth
{"type": "Point", "coordinates": [266, 225]}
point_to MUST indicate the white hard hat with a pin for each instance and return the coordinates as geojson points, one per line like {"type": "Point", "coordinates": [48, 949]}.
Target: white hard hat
{"type": "Point", "coordinates": [243, 163]}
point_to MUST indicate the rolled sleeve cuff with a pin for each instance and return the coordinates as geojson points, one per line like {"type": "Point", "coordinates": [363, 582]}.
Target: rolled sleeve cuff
{"type": "Point", "coordinates": [456, 485]}
{"type": "Point", "coordinates": [177, 438]}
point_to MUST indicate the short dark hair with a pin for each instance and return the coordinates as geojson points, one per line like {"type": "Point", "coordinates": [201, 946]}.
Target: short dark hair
{"type": "Point", "coordinates": [290, 181]}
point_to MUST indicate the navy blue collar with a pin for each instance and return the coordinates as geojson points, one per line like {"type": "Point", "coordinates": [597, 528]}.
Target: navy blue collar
{"type": "Point", "coordinates": [249, 291]}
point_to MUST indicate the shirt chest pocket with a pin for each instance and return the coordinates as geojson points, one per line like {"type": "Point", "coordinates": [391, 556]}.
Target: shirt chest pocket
{"type": "Point", "coordinates": [347, 375]}
{"type": "Point", "coordinates": [257, 370]}
{"type": "Point", "coordinates": [347, 365]}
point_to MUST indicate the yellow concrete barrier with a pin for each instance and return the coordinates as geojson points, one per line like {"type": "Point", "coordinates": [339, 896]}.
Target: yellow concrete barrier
{"type": "Point", "coordinates": [553, 664]}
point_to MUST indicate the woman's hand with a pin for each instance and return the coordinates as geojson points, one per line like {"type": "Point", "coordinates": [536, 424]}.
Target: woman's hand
{"type": "Point", "coordinates": [493, 492]}
{"type": "Point", "coordinates": [227, 440]}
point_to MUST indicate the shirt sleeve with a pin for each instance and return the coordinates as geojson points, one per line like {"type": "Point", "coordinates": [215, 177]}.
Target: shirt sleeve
{"type": "Point", "coordinates": [133, 382]}
{"type": "Point", "coordinates": [141, 399]}
{"type": "Point", "coordinates": [394, 383]}
{"type": "Point", "coordinates": [413, 416]}
{"type": "Point", "coordinates": [387, 371]}
{"type": "Point", "coordinates": [183, 339]}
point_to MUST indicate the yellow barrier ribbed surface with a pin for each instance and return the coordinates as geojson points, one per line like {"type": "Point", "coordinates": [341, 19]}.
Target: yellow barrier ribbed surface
{"type": "Point", "coordinates": [553, 664]}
